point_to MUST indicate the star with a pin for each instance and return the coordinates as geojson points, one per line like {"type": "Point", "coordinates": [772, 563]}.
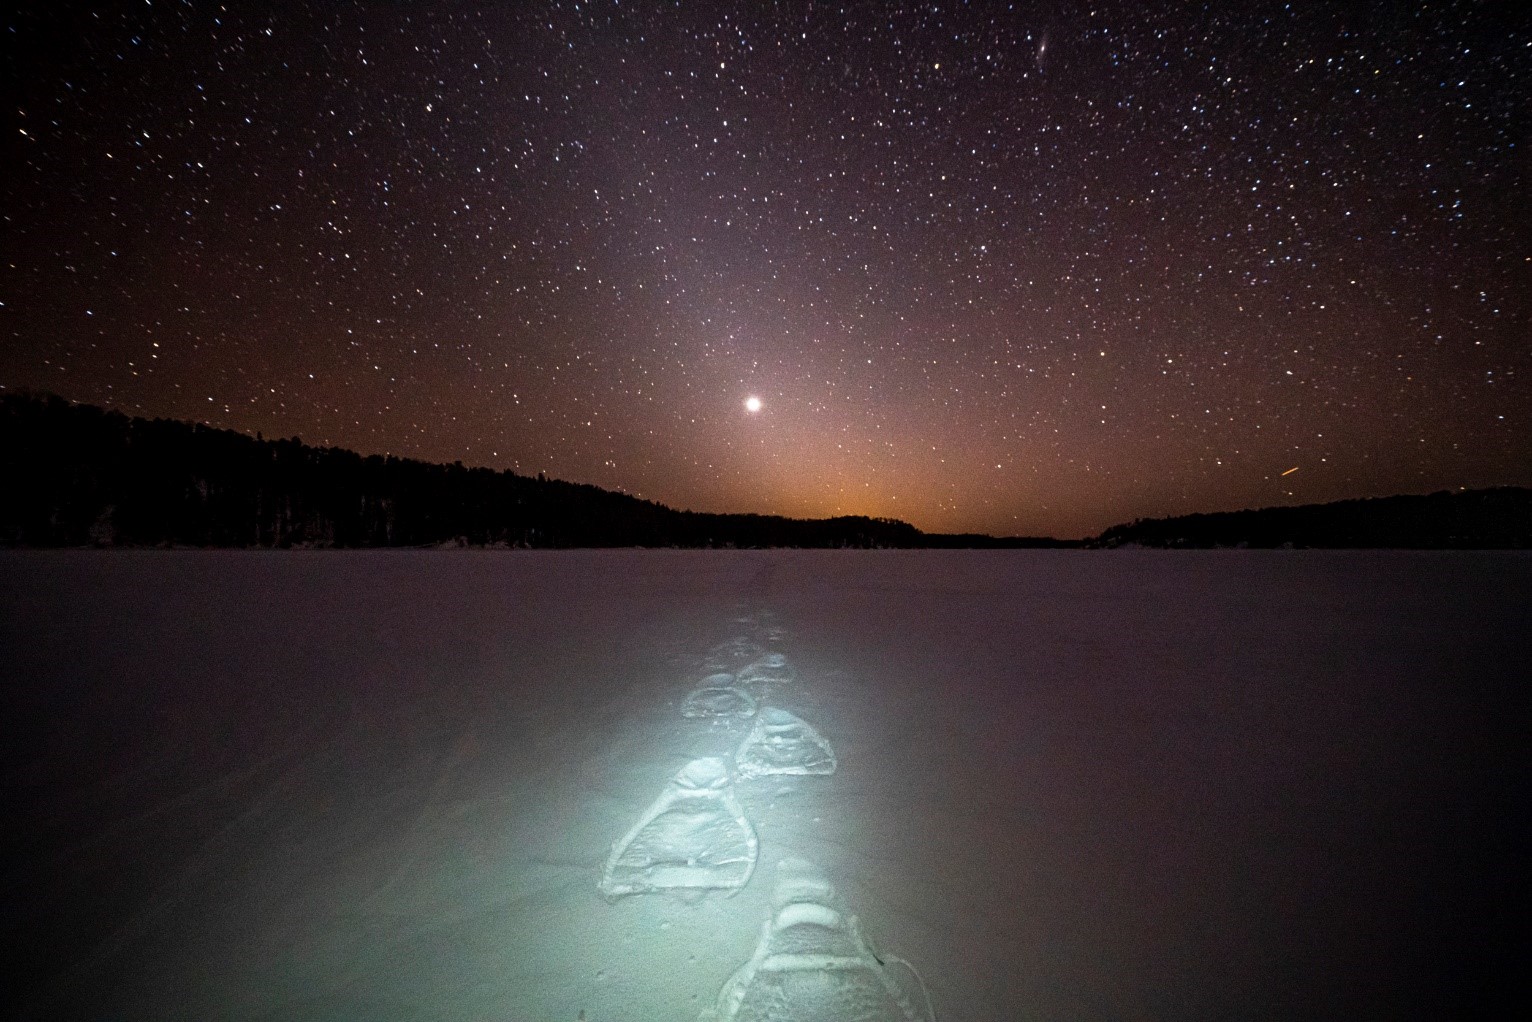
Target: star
{"type": "Point", "coordinates": [583, 253]}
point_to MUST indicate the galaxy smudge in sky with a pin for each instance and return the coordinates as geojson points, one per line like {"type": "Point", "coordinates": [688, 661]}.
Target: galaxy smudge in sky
{"type": "Point", "coordinates": [1025, 269]}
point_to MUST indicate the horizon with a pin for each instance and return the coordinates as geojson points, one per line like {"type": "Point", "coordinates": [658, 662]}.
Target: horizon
{"type": "Point", "coordinates": [1009, 273]}
{"type": "Point", "coordinates": [258, 437]}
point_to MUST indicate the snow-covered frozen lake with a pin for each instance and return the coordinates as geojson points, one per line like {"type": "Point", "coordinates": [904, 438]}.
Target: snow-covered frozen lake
{"type": "Point", "coordinates": [1071, 785]}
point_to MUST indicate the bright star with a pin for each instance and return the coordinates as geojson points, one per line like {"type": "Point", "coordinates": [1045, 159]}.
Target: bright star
{"type": "Point", "coordinates": [752, 404]}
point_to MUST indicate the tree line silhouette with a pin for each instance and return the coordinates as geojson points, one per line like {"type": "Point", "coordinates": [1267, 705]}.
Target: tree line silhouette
{"type": "Point", "coordinates": [81, 475]}
{"type": "Point", "coordinates": [1491, 519]}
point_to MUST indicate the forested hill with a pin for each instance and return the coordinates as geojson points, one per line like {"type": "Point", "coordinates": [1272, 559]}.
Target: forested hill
{"type": "Point", "coordinates": [78, 475]}
{"type": "Point", "coordinates": [1494, 519]}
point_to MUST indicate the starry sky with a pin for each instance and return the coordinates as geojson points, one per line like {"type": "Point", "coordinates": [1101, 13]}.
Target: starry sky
{"type": "Point", "coordinates": [1025, 269]}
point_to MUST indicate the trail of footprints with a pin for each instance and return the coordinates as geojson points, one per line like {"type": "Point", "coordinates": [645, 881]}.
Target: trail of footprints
{"type": "Point", "coordinates": [811, 962]}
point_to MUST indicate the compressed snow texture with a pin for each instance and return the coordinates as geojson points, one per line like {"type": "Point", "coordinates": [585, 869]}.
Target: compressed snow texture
{"type": "Point", "coordinates": [812, 964]}
{"type": "Point", "coordinates": [732, 653]}
{"type": "Point", "coordinates": [782, 743]}
{"type": "Point", "coordinates": [771, 669]}
{"type": "Point", "coordinates": [693, 837]}
{"type": "Point", "coordinates": [718, 701]}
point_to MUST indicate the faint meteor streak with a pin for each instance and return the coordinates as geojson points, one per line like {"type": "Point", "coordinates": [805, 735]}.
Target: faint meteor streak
{"type": "Point", "coordinates": [1291, 471]}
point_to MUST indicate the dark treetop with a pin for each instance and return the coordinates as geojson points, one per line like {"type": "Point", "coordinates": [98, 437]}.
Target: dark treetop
{"type": "Point", "coordinates": [78, 475]}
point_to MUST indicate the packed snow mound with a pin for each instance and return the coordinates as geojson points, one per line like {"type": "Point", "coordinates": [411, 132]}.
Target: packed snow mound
{"type": "Point", "coordinates": [718, 698]}
{"type": "Point", "coordinates": [812, 964]}
{"type": "Point", "coordinates": [782, 743]}
{"type": "Point", "coordinates": [771, 669]}
{"type": "Point", "coordinates": [693, 838]}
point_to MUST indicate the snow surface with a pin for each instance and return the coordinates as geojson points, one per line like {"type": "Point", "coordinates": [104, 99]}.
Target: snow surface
{"type": "Point", "coordinates": [1072, 785]}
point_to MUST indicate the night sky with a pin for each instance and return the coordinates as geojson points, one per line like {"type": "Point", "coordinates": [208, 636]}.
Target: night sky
{"type": "Point", "coordinates": [1019, 269]}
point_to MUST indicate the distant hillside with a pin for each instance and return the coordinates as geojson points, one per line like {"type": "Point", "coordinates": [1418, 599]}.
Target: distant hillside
{"type": "Point", "coordinates": [1495, 519]}
{"type": "Point", "coordinates": [77, 475]}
